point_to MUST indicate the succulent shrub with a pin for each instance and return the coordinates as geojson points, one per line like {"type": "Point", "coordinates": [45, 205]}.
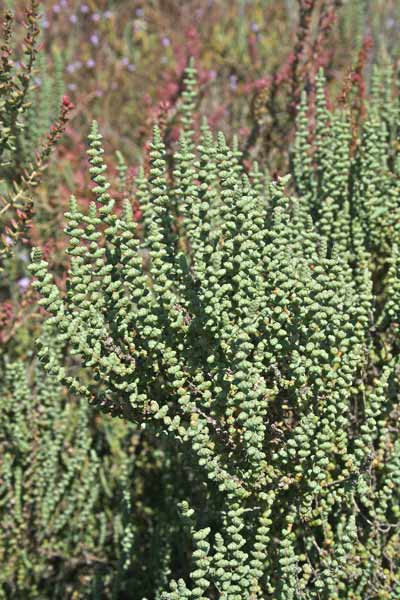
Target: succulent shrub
{"type": "Point", "coordinates": [14, 104]}
{"type": "Point", "coordinates": [27, 114]}
{"type": "Point", "coordinates": [86, 502]}
{"type": "Point", "coordinates": [15, 84]}
{"type": "Point", "coordinates": [52, 528]}
{"type": "Point", "coordinates": [255, 329]}
{"type": "Point", "coordinates": [31, 122]}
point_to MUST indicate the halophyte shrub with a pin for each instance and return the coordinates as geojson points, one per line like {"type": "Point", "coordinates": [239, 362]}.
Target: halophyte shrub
{"type": "Point", "coordinates": [253, 325]}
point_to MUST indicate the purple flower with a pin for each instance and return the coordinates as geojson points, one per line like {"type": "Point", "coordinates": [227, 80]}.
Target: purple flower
{"type": "Point", "coordinates": [56, 8]}
{"type": "Point", "coordinates": [139, 12]}
{"type": "Point", "coordinates": [233, 82]}
{"type": "Point", "coordinates": [165, 41]}
{"type": "Point", "coordinates": [108, 14]}
{"type": "Point", "coordinates": [125, 61]}
{"type": "Point", "coordinates": [84, 9]}
{"type": "Point", "coordinates": [131, 68]}
{"type": "Point", "coordinates": [254, 27]}
{"type": "Point", "coordinates": [73, 19]}
{"type": "Point", "coordinates": [96, 17]}
{"type": "Point", "coordinates": [94, 39]}
{"type": "Point", "coordinates": [64, 3]}
{"type": "Point", "coordinates": [72, 87]}
{"type": "Point", "coordinates": [23, 284]}
{"type": "Point", "coordinates": [72, 67]}
{"type": "Point", "coordinates": [24, 256]}
{"type": "Point", "coordinates": [90, 63]}
{"type": "Point", "coordinates": [45, 24]}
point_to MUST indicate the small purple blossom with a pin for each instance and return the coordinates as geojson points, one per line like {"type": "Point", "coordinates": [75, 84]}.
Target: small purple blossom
{"type": "Point", "coordinates": [24, 256]}
{"type": "Point", "coordinates": [23, 284]}
{"type": "Point", "coordinates": [94, 39]}
{"type": "Point", "coordinates": [72, 87]}
{"type": "Point", "coordinates": [139, 12]}
{"type": "Point", "coordinates": [108, 14]}
{"type": "Point", "coordinates": [165, 41]}
{"type": "Point", "coordinates": [125, 62]}
{"type": "Point", "coordinates": [56, 8]}
{"type": "Point", "coordinates": [96, 17]}
{"type": "Point", "coordinates": [84, 9]}
{"type": "Point", "coordinates": [73, 19]}
{"type": "Point", "coordinates": [254, 27]}
{"type": "Point", "coordinates": [45, 24]}
{"type": "Point", "coordinates": [90, 63]}
{"type": "Point", "coordinates": [72, 67]}
{"type": "Point", "coordinates": [233, 82]}
{"type": "Point", "coordinates": [64, 3]}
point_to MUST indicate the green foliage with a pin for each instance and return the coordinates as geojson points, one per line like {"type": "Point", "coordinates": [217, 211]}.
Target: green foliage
{"type": "Point", "coordinates": [259, 339]}
{"type": "Point", "coordinates": [85, 502]}
{"type": "Point", "coordinates": [50, 516]}
{"type": "Point", "coordinates": [32, 117]}
{"type": "Point", "coordinates": [15, 85]}
{"type": "Point", "coordinates": [14, 105]}
{"type": "Point", "coordinates": [45, 104]}
{"type": "Point", "coordinates": [26, 115]}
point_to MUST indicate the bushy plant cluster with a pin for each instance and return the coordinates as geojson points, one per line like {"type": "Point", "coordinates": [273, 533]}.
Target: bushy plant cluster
{"type": "Point", "coordinates": [199, 398]}
{"type": "Point", "coordinates": [69, 503]}
{"type": "Point", "coordinates": [255, 329]}
{"type": "Point", "coordinates": [124, 65]}
{"type": "Point", "coordinates": [75, 490]}
{"type": "Point", "coordinates": [31, 123]}
{"type": "Point", "coordinates": [50, 486]}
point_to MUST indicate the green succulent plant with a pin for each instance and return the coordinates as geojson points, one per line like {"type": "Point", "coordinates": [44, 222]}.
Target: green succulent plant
{"type": "Point", "coordinates": [260, 337]}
